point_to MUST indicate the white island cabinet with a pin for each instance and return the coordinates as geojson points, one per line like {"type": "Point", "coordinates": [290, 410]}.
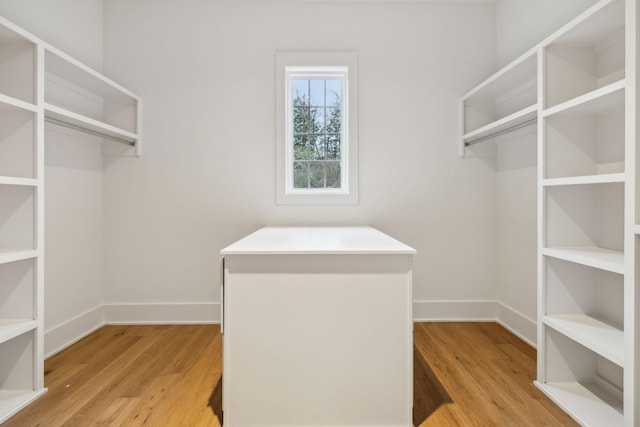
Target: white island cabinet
{"type": "Point", "coordinates": [317, 328]}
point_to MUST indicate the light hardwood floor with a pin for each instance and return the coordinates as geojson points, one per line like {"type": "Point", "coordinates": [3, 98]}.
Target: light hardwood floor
{"type": "Point", "coordinates": [465, 374]}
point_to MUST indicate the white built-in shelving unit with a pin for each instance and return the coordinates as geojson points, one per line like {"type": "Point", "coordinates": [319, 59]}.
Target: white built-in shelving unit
{"type": "Point", "coordinates": [505, 101]}
{"type": "Point", "coordinates": [80, 97]}
{"type": "Point", "coordinates": [586, 359]}
{"type": "Point", "coordinates": [586, 113]}
{"type": "Point", "coordinates": [39, 84]}
{"type": "Point", "coordinates": [21, 219]}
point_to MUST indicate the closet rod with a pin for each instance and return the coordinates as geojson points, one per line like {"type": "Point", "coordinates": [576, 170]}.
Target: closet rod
{"type": "Point", "coordinates": [89, 131]}
{"type": "Point", "coordinates": [501, 132]}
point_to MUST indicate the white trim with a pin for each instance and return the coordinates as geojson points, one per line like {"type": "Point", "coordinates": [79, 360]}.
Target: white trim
{"type": "Point", "coordinates": [63, 335]}
{"type": "Point", "coordinates": [477, 311]}
{"type": "Point", "coordinates": [517, 323]}
{"type": "Point", "coordinates": [454, 311]}
{"type": "Point", "coordinates": [348, 196]}
{"type": "Point", "coordinates": [160, 313]}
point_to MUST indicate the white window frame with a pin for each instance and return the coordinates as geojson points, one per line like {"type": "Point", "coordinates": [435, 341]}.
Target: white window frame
{"type": "Point", "coordinates": [334, 65]}
{"type": "Point", "coordinates": [320, 73]}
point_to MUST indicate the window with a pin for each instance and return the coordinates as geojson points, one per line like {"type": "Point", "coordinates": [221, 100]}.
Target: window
{"type": "Point", "coordinates": [314, 125]}
{"type": "Point", "coordinates": [316, 135]}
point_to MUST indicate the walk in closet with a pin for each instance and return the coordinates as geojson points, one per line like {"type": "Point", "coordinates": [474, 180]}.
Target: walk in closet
{"type": "Point", "coordinates": [39, 84]}
{"type": "Point", "coordinates": [578, 85]}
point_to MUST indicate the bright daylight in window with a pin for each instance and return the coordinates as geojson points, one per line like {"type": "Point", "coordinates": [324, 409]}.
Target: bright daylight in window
{"type": "Point", "coordinates": [316, 128]}
{"type": "Point", "coordinates": [316, 119]}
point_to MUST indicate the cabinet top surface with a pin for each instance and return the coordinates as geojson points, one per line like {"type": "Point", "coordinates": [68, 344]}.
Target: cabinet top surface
{"type": "Point", "coordinates": [317, 240]}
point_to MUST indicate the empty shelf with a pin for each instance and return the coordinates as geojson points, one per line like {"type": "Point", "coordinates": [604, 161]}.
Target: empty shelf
{"type": "Point", "coordinates": [592, 256]}
{"type": "Point", "coordinates": [12, 180]}
{"type": "Point", "coordinates": [586, 403]}
{"type": "Point", "coordinates": [9, 103]}
{"type": "Point", "coordinates": [11, 328]}
{"type": "Point", "coordinates": [10, 255]}
{"type": "Point", "coordinates": [597, 101]}
{"type": "Point", "coordinates": [11, 401]}
{"type": "Point", "coordinates": [89, 124]}
{"type": "Point", "coordinates": [592, 333]}
{"type": "Point", "coordinates": [586, 179]}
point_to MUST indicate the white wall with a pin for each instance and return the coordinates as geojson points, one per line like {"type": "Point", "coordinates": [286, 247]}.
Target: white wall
{"type": "Point", "coordinates": [74, 26]}
{"type": "Point", "coordinates": [73, 175]}
{"type": "Point", "coordinates": [520, 25]}
{"type": "Point", "coordinates": [205, 71]}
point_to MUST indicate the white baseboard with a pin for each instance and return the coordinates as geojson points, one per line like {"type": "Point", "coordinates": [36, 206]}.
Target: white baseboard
{"type": "Point", "coordinates": [60, 337]}
{"type": "Point", "coordinates": [477, 311]}
{"type": "Point", "coordinates": [181, 313]}
{"type": "Point", "coordinates": [63, 335]}
{"type": "Point", "coordinates": [517, 323]}
{"type": "Point", "coordinates": [454, 311]}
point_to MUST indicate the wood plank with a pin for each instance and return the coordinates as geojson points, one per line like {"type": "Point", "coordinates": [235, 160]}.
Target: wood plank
{"type": "Point", "coordinates": [488, 373]}
{"type": "Point", "coordinates": [446, 357]}
{"type": "Point", "coordinates": [465, 374]}
{"type": "Point", "coordinates": [117, 412]}
{"type": "Point", "coordinates": [112, 355]}
{"type": "Point", "coordinates": [154, 373]}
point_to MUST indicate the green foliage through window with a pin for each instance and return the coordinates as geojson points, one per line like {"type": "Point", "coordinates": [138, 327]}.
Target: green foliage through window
{"type": "Point", "coordinates": [317, 126]}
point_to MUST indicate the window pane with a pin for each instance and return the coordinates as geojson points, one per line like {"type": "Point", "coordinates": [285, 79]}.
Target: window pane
{"type": "Point", "coordinates": [317, 118]}
{"type": "Point", "coordinates": [300, 120]}
{"type": "Point", "coordinates": [319, 149]}
{"type": "Point", "coordinates": [334, 92]}
{"type": "Point", "coordinates": [332, 150]}
{"type": "Point", "coordinates": [316, 88]}
{"type": "Point", "coordinates": [316, 151]}
{"type": "Point", "coordinates": [317, 131]}
{"type": "Point", "coordinates": [300, 92]}
{"type": "Point", "coordinates": [316, 175]}
{"type": "Point", "coordinates": [301, 147]}
{"type": "Point", "coordinates": [333, 120]}
{"type": "Point", "coordinates": [333, 174]}
{"type": "Point", "coordinates": [300, 175]}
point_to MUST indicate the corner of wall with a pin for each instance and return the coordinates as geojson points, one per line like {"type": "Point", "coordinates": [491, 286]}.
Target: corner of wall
{"type": "Point", "coordinates": [517, 323]}
{"type": "Point", "coordinates": [73, 330]}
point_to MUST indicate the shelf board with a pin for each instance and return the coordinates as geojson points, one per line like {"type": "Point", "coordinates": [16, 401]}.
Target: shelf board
{"type": "Point", "coordinates": [11, 328]}
{"type": "Point", "coordinates": [604, 259]}
{"type": "Point", "coordinates": [11, 255]}
{"type": "Point", "coordinates": [512, 120]}
{"type": "Point", "coordinates": [586, 403]}
{"type": "Point", "coordinates": [8, 103]}
{"type": "Point", "coordinates": [599, 337]}
{"type": "Point", "coordinates": [92, 125]}
{"type": "Point", "coordinates": [14, 180]}
{"type": "Point", "coordinates": [12, 401]}
{"type": "Point", "coordinates": [67, 68]}
{"type": "Point", "coordinates": [513, 75]}
{"type": "Point", "coordinates": [585, 179]}
{"type": "Point", "coordinates": [596, 101]}
{"type": "Point", "coordinates": [11, 33]}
